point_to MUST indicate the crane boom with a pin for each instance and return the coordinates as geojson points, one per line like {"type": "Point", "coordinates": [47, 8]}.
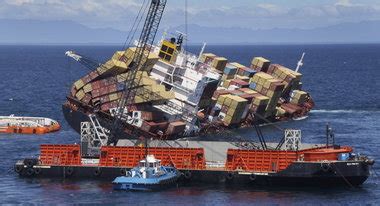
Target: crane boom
{"type": "Point", "coordinates": [143, 49]}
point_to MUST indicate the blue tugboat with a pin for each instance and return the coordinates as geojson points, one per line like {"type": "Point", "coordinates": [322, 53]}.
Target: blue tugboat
{"type": "Point", "coordinates": [147, 176]}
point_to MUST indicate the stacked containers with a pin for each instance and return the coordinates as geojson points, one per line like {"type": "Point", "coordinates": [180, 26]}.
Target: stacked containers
{"type": "Point", "coordinates": [259, 104]}
{"type": "Point", "coordinates": [219, 63]}
{"type": "Point", "coordinates": [260, 64]}
{"type": "Point", "coordinates": [207, 57]}
{"type": "Point", "coordinates": [291, 78]}
{"type": "Point", "coordinates": [232, 108]}
{"type": "Point", "coordinates": [270, 87]}
{"type": "Point", "coordinates": [229, 72]}
{"type": "Point", "coordinates": [298, 97]}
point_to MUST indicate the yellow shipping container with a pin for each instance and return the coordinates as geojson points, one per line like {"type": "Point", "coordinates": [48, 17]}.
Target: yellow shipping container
{"type": "Point", "coordinates": [261, 100]}
{"type": "Point", "coordinates": [238, 65]}
{"type": "Point", "coordinates": [113, 97]}
{"type": "Point", "coordinates": [219, 63]}
{"type": "Point", "coordinates": [250, 91]}
{"type": "Point", "coordinates": [264, 75]}
{"type": "Point", "coordinates": [260, 62]}
{"type": "Point", "coordinates": [79, 84]}
{"type": "Point", "coordinates": [80, 94]}
{"type": "Point", "coordinates": [226, 83]}
{"type": "Point", "coordinates": [207, 56]}
{"type": "Point", "coordinates": [280, 111]}
{"type": "Point", "coordinates": [87, 88]}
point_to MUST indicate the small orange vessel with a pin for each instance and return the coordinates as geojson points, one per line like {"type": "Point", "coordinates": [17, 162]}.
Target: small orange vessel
{"type": "Point", "coordinates": [27, 125]}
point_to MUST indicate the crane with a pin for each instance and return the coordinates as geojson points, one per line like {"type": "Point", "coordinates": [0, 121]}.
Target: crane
{"type": "Point", "coordinates": [145, 42]}
{"type": "Point", "coordinates": [94, 135]}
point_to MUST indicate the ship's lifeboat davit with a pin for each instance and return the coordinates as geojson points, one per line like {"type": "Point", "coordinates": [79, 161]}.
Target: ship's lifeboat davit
{"type": "Point", "coordinates": [27, 125]}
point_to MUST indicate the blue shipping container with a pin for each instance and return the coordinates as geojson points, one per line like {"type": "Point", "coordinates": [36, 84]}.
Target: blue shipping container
{"type": "Point", "coordinates": [249, 72]}
{"type": "Point", "coordinates": [252, 85]}
{"type": "Point", "coordinates": [230, 70]}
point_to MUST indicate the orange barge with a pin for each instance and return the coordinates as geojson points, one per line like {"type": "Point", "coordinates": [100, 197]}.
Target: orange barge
{"type": "Point", "coordinates": [311, 166]}
{"type": "Point", "coordinates": [27, 125]}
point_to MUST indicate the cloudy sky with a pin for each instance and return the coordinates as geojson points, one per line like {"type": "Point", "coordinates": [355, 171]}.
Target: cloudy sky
{"type": "Point", "coordinates": [255, 14]}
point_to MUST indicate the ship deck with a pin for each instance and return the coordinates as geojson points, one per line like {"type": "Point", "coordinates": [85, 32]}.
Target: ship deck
{"type": "Point", "coordinates": [215, 151]}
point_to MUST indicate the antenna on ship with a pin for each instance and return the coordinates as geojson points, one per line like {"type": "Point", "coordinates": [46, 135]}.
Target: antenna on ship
{"type": "Point", "coordinates": [300, 62]}
{"type": "Point", "coordinates": [202, 50]}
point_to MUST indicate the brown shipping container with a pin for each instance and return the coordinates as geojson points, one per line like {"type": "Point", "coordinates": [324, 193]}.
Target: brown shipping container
{"type": "Point", "coordinates": [151, 116]}
{"type": "Point", "coordinates": [176, 127]}
{"type": "Point", "coordinates": [151, 127]}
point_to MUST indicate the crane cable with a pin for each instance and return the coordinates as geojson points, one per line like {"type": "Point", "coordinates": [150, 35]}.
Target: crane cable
{"type": "Point", "coordinates": [134, 27]}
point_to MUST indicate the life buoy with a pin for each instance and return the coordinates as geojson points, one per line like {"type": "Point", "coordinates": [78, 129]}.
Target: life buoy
{"type": "Point", "coordinates": [97, 172]}
{"type": "Point", "coordinates": [326, 167]}
{"type": "Point", "coordinates": [187, 174]}
{"type": "Point", "coordinates": [252, 177]}
{"type": "Point", "coordinates": [29, 163]}
{"type": "Point", "coordinates": [230, 176]}
{"type": "Point", "coordinates": [123, 172]}
{"type": "Point", "coordinates": [37, 170]}
{"type": "Point", "coordinates": [29, 171]}
{"type": "Point", "coordinates": [69, 171]}
{"type": "Point", "coordinates": [19, 168]}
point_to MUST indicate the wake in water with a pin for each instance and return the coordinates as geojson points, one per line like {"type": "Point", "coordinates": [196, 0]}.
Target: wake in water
{"type": "Point", "coordinates": [342, 111]}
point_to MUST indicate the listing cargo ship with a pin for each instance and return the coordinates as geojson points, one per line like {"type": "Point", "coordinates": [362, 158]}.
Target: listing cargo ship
{"type": "Point", "coordinates": [183, 94]}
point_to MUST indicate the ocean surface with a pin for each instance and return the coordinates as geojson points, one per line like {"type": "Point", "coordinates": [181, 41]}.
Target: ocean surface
{"type": "Point", "coordinates": [344, 81]}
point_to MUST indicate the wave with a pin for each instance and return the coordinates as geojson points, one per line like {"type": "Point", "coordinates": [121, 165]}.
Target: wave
{"type": "Point", "coordinates": [343, 111]}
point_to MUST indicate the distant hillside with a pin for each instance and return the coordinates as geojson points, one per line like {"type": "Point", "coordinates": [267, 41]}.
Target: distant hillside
{"type": "Point", "coordinates": [55, 32]}
{"type": "Point", "coordinates": [66, 32]}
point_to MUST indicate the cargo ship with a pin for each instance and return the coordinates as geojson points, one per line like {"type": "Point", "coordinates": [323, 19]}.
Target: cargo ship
{"type": "Point", "coordinates": [27, 125]}
{"type": "Point", "coordinates": [184, 94]}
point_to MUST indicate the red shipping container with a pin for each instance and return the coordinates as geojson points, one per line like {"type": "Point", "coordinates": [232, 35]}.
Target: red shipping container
{"type": "Point", "coordinates": [105, 107]}
{"type": "Point", "coordinates": [103, 91]}
{"type": "Point", "coordinates": [151, 127]}
{"type": "Point", "coordinates": [104, 99]}
{"type": "Point", "coordinates": [73, 91]}
{"type": "Point", "coordinates": [151, 116]}
{"type": "Point", "coordinates": [93, 75]}
{"type": "Point", "coordinates": [236, 92]}
{"type": "Point", "coordinates": [112, 88]}
{"type": "Point", "coordinates": [240, 83]}
{"type": "Point", "coordinates": [86, 79]}
{"type": "Point", "coordinates": [96, 85]}
{"type": "Point", "coordinates": [95, 93]}
{"type": "Point", "coordinates": [162, 125]}
{"type": "Point", "coordinates": [248, 97]}
{"type": "Point", "coordinates": [217, 93]}
{"type": "Point", "coordinates": [86, 99]}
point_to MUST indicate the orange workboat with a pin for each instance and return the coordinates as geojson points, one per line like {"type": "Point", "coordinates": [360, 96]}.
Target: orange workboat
{"type": "Point", "coordinates": [27, 125]}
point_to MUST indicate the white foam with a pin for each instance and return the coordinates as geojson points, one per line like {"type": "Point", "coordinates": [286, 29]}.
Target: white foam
{"type": "Point", "coordinates": [342, 111]}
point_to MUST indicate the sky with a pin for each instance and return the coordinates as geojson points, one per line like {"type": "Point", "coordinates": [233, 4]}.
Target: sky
{"type": "Point", "coordinates": [252, 14]}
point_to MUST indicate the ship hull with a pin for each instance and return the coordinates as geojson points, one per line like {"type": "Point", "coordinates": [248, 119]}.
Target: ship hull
{"type": "Point", "coordinates": [75, 117]}
{"type": "Point", "coordinates": [298, 174]}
